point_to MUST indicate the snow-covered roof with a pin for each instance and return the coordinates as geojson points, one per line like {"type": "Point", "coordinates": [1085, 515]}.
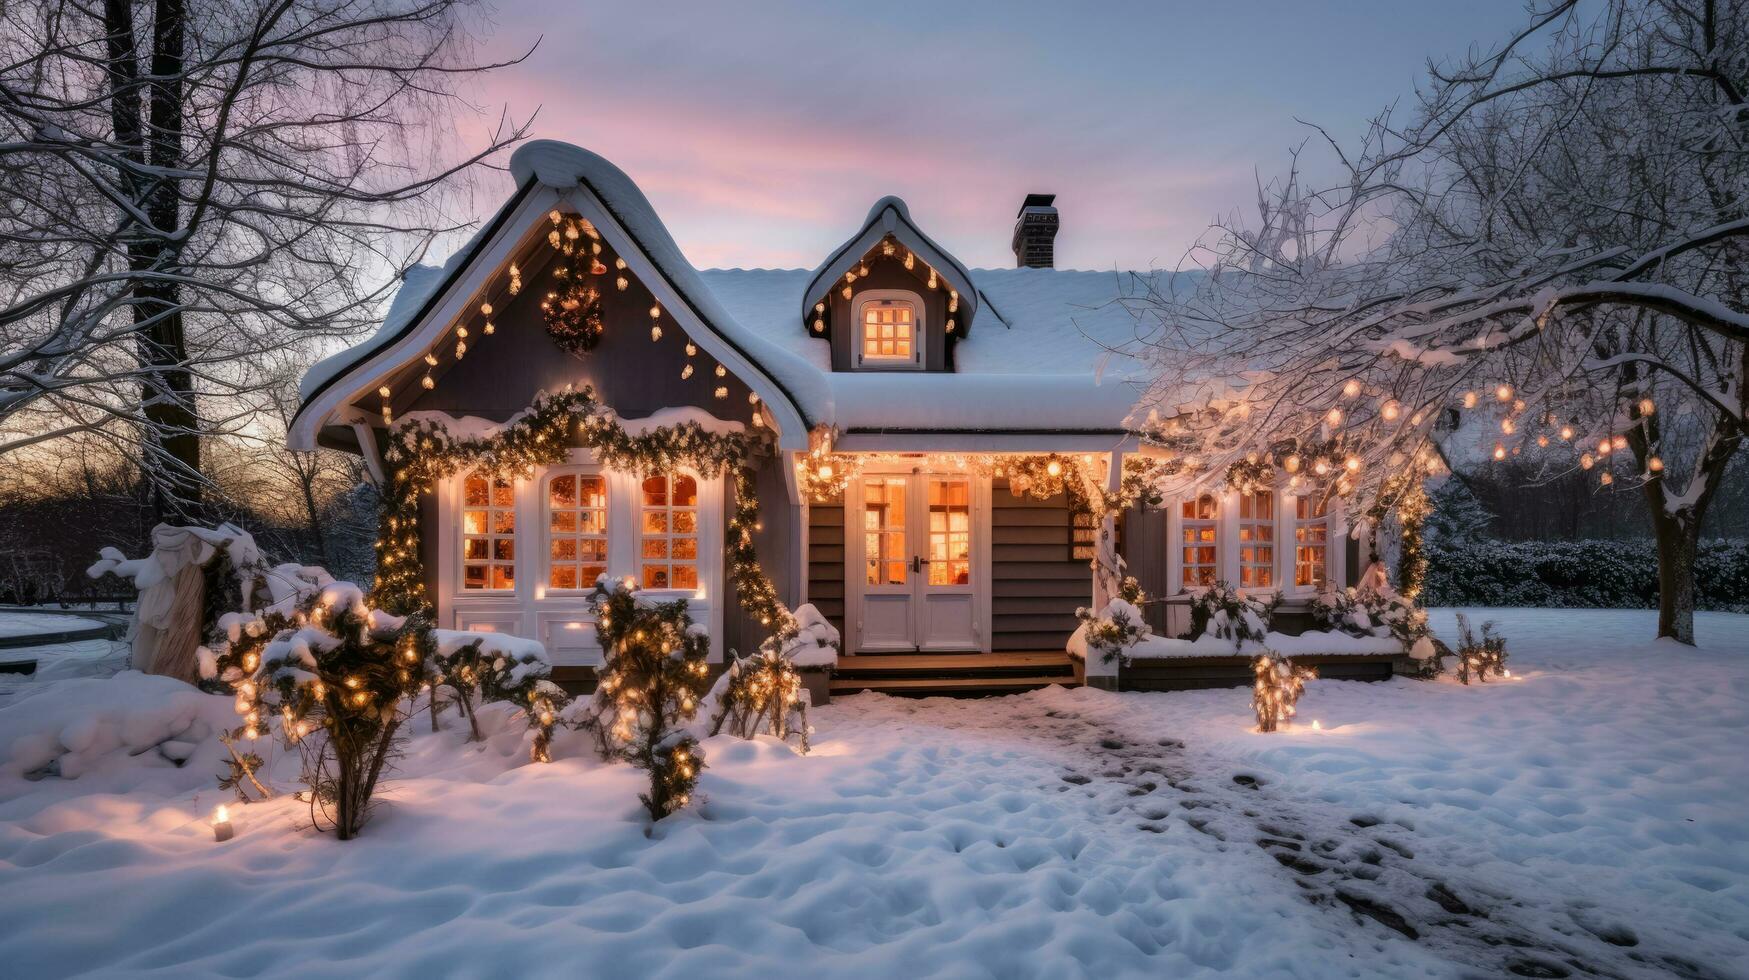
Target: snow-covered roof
{"type": "Point", "coordinates": [889, 218]}
{"type": "Point", "coordinates": [1038, 355]}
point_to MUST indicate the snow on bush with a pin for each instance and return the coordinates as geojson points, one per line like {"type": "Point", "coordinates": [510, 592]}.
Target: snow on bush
{"type": "Point", "coordinates": [1364, 613]}
{"type": "Point", "coordinates": [1572, 574]}
{"type": "Point", "coordinates": [1221, 611]}
{"type": "Point", "coordinates": [1116, 631]}
{"type": "Point", "coordinates": [480, 668]}
{"type": "Point", "coordinates": [76, 727]}
{"type": "Point", "coordinates": [816, 643]}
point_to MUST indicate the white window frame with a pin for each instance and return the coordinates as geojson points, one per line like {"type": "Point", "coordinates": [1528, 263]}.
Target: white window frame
{"type": "Point", "coordinates": [561, 618]}
{"type": "Point", "coordinates": [1241, 523]}
{"type": "Point", "coordinates": [919, 329]}
{"type": "Point", "coordinates": [543, 503]}
{"type": "Point", "coordinates": [517, 536]}
{"type": "Point", "coordinates": [1213, 524]}
{"type": "Point", "coordinates": [1330, 544]}
{"type": "Point", "coordinates": [638, 508]}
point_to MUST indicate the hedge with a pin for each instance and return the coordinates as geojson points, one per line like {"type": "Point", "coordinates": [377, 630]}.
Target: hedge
{"type": "Point", "coordinates": [1597, 574]}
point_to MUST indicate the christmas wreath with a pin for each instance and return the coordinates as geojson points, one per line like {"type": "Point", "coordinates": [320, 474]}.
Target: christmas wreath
{"type": "Point", "coordinates": [573, 317]}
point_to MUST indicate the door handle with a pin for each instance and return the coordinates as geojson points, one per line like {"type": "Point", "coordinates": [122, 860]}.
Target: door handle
{"type": "Point", "coordinates": [917, 563]}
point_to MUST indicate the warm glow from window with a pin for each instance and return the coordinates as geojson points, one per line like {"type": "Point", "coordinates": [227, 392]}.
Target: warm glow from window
{"type": "Point", "coordinates": [888, 330]}
{"type": "Point", "coordinates": [885, 550]}
{"type": "Point", "coordinates": [488, 533]}
{"type": "Point", "coordinates": [1257, 540]}
{"type": "Point", "coordinates": [1311, 543]}
{"type": "Point", "coordinates": [950, 532]}
{"type": "Point", "coordinates": [577, 522]}
{"type": "Point", "coordinates": [668, 525]}
{"type": "Point", "coordinates": [1198, 534]}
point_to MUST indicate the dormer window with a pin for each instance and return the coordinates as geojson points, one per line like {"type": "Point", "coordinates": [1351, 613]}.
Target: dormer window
{"type": "Point", "coordinates": [889, 324]}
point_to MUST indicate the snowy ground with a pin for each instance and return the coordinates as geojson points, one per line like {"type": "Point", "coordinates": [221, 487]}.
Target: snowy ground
{"type": "Point", "coordinates": [31, 623]}
{"type": "Point", "coordinates": [1584, 818]}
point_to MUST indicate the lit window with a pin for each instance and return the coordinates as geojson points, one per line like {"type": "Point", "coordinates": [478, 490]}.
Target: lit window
{"type": "Point", "coordinates": [1198, 530]}
{"type": "Point", "coordinates": [883, 527]}
{"type": "Point", "coordinates": [488, 533]}
{"type": "Point", "coordinates": [1257, 540]}
{"type": "Point", "coordinates": [889, 331]}
{"type": "Point", "coordinates": [577, 521]}
{"type": "Point", "coordinates": [950, 532]}
{"type": "Point", "coordinates": [1311, 542]}
{"type": "Point", "coordinates": [668, 552]}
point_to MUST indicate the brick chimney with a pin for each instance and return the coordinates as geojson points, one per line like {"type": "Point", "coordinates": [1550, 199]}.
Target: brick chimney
{"type": "Point", "coordinates": [1035, 232]}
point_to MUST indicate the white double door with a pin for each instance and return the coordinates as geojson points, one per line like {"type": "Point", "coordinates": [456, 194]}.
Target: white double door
{"type": "Point", "coordinates": [918, 561]}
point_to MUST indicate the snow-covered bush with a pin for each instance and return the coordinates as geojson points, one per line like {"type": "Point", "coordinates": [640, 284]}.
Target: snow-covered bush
{"type": "Point", "coordinates": [484, 667]}
{"type": "Point", "coordinates": [1276, 690]}
{"type": "Point", "coordinates": [1479, 655]}
{"type": "Point", "coordinates": [1572, 574]}
{"type": "Point", "coordinates": [1223, 612]}
{"type": "Point", "coordinates": [1363, 613]}
{"type": "Point", "coordinates": [816, 642]}
{"type": "Point", "coordinates": [648, 689]}
{"type": "Point", "coordinates": [338, 676]}
{"type": "Point", "coordinates": [1115, 630]}
{"type": "Point", "coordinates": [131, 721]}
{"type": "Point", "coordinates": [760, 695]}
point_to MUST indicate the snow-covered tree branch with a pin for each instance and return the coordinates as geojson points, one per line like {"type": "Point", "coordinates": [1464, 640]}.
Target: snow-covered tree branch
{"type": "Point", "coordinates": [1554, 245]}
{"type": "Point", "coordinates": [189, 185]}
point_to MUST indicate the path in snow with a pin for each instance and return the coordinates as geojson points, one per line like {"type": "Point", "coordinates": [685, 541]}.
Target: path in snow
{"type": "Point", "coordinates": [1358, 861]}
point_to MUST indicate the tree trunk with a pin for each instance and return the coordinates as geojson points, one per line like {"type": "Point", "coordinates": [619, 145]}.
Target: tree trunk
{"type": "Point", "coordinates": [173, 439]}
{"type": "Point", "coordinates": [1678, 537]}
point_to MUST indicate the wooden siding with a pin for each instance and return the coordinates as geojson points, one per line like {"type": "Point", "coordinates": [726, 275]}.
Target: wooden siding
{"type": "Point", "coordinates": [826, 571]}
{"type": "Point", "coordinates": [1037, 582]}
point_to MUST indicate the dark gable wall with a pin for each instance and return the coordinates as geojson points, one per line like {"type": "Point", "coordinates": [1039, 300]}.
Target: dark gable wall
{"type": "Point", "coordinates": [890, 273]}
{"type": "Point", "coordinates": [631, 374]}
{"type": "Point", "coordinates": [635, 377]}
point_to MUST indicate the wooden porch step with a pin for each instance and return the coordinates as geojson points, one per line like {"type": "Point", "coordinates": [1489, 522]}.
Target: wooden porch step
{"type": "Point", "coordinates": [953, 687]}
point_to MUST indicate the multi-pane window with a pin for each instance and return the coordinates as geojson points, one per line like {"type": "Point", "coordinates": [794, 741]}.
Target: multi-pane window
{"type": "Point", "coordinates": [885, 550]}
{"type": "Point", "coordinates": [668, 547]}
{"type": "Point", "coordinates": [1257, 540]}
{"type": "Point", "coordinates": [577, 525]}
{"type": "Point", "coordinates": [950, 532]}
{"type": "Point", "coordinates": [1311, 542]}
{"type": "Point", "coordinates": [1199, 545]}
{"type": "Point", "coordinates": [889, 331]}
{"type": "Point", "coordinates": [488, 532]}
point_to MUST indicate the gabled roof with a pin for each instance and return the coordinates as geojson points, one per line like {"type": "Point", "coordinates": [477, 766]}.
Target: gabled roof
{"type": "Point", "coordinates": [889, 217]}
{"type": "Point", "coordinates": [1048, 358]}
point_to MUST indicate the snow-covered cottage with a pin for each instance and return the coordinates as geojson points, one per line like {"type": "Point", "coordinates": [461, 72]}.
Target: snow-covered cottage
{"type": "Point", "coordinates": [900, 393]}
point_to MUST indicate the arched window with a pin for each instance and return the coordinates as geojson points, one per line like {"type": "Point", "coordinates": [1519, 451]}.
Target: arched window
{"type": "Point", "coordinates": [889, 330]}
{"type": "Point", "coordinates": [1257, 540]}
{"type": "Point", "coordinates": [1200, 545]}
{"type": "Point", "coordinates": [577, 526]}
{"type": "Point", "coordinates": [668, 524]}
{"type": "Point", "coordinates": [488, 533]}
{"type": "Point", "coordinates": [1311, 543]}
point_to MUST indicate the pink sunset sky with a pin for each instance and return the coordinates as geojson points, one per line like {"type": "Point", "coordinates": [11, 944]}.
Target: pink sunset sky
{"type": "Point", "coordinates": [763, 132]}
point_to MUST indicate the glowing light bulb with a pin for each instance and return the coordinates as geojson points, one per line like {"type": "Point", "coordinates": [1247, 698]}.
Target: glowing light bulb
{"type": "Point", "coordinates": [1054, 468]}
{"type": "Point", "coordinates": [1503, 393]}
{"type": "Point", "coordinates": [1469, 399]}
{"type": "Point", "coordinates": [1352, 388]}
{"type": "Point", "coordinates": [1334, 416]}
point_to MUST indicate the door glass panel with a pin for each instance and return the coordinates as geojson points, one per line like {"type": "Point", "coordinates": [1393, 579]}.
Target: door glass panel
{"type": "Point", "coordinates": [950, 531]}
{"type": "Point", "coordinates": [883, 524]}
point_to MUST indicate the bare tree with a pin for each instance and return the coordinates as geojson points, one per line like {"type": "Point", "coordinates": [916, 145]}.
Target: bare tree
{"type": "Point", "coordinates": [187, 184]}
{"type": "Point", "coordinates": [1554, 243]}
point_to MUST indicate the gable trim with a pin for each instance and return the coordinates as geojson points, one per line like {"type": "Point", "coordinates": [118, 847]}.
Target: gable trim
{"type": "Point", "coordinates": [889, 216]}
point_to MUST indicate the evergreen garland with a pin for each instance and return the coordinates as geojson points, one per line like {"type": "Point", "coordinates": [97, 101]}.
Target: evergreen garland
{"type": "Point", "coordinates": [421, 453]}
